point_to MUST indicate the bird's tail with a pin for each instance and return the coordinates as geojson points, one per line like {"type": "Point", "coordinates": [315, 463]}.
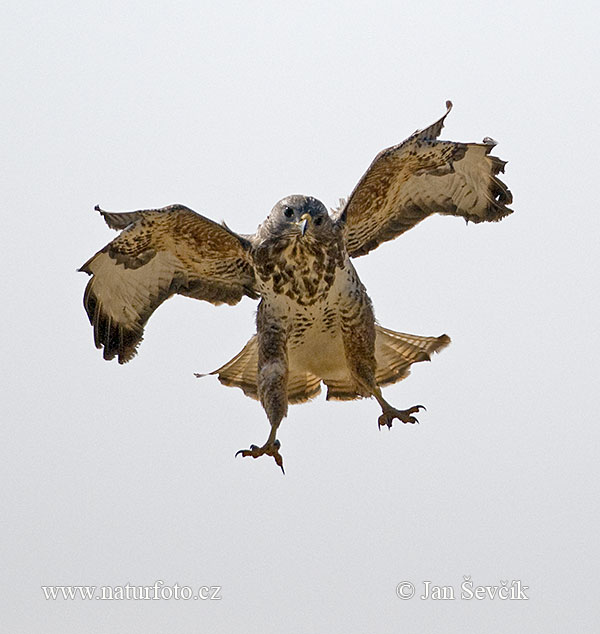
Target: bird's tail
{"type": "Point", "coordinates": [395, 352]}
{"type": "Point", "coordinates": [242, 372]}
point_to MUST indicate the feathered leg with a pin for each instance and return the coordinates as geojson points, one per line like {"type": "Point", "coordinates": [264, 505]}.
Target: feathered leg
{"type": "Point", "coordinates": [272, 381]}
{"type": "Point", "coordinates": [358, 332]}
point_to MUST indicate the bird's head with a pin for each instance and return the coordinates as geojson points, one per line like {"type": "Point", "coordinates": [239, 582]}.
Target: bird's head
{"type": "Point", "coordinates": [302, 216]}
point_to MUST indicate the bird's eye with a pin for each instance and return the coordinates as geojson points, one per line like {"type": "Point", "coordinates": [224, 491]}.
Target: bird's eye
{"type": "Point", "coordinates": [288, 212]}
{"type": "Point", "coordinates": [318, 221]}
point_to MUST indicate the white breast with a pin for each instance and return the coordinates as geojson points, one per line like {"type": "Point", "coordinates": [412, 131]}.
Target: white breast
{"type": "Point", "coordinates": [315, 339]}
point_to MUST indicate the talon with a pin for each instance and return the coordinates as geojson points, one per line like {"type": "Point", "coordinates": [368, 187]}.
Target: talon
{"type": "Point", "coordinates": [279, 461]}
{"type": "Point", "coordinates": [270, 449]}
{"type": "Point", "coordinates": [405, 416]}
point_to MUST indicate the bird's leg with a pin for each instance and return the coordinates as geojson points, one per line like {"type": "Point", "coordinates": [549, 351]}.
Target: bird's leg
{"type": "Point", "coordinates": [359, 345]}
{"type": "Point", "coordinates": [389, 412]}
{"type": "Point", "coordinates": [272, 383]}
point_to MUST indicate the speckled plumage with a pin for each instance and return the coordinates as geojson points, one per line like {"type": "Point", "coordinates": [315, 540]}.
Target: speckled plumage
{"type": "Point", "coordinates": [315, 321]}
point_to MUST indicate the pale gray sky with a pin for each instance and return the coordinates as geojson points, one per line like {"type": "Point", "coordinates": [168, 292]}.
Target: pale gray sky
{"type": "Point", "coordinates": [126, 474]}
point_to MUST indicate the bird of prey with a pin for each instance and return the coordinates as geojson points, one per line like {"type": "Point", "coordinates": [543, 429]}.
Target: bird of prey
{"type": "Point", "coordinates": [315, 321]}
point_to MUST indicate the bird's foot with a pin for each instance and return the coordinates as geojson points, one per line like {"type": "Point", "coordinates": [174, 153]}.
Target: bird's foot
{"type": "Point", "coordinates": [269, 448]}
{"type": "Point", "coordinates": [405, 415]}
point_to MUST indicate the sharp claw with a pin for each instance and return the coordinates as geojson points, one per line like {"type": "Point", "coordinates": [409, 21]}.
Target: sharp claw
{"type": "Point", "coordinates": [277, 457]}
{"type": "Point", "coordinates": [247, 452]}
{"type": "Point", "coordinates": [402, 415]}
{"type": "Point", "coordinates": [270, 450]}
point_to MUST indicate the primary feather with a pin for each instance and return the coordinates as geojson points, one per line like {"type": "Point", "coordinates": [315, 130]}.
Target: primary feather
{"type": "Point", "coordinates": [160, 252]}
{"type": "Point", "coordinates": [418, 177]}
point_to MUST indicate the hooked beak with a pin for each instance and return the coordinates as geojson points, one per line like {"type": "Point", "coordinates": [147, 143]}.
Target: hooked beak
{"type": "Point", "coordinates": [303, 222]}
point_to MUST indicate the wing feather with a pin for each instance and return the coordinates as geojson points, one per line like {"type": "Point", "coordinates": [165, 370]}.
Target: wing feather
{"type": "Point", "coordinates": [419, 177]}
{"type": "Point", "coordinates": [160, 252]}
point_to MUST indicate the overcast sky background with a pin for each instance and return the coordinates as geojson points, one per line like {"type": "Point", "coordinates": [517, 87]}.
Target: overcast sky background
{"type": "Point", "coordinates": [126, 474]}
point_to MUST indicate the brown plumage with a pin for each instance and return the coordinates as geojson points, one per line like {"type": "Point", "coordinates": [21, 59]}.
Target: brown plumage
{"type": "Point", "coordinates": [315, 321]}
{"type": "Point", "coordinates": [159, 253]}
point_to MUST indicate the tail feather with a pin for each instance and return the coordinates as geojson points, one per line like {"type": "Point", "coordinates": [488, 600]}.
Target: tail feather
{"type": "Point", "coordinates": [395, 352]}
{"type": "Point", "coordinates": [242, 372]}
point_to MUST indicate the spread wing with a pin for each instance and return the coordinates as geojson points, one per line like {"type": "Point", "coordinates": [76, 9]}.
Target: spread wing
{"type": "Point", "coordinates": [419, 177]}
{"type": "Point", "coordinates": [160, 252]}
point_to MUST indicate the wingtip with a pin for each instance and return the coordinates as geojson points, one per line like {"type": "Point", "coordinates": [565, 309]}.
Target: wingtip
{"type": "Point", "coordinates": [433, 131]}
{"type": "Point", "coordinates": [103, 213]}
{"type": "Point", "coordinates": [444, 340]}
